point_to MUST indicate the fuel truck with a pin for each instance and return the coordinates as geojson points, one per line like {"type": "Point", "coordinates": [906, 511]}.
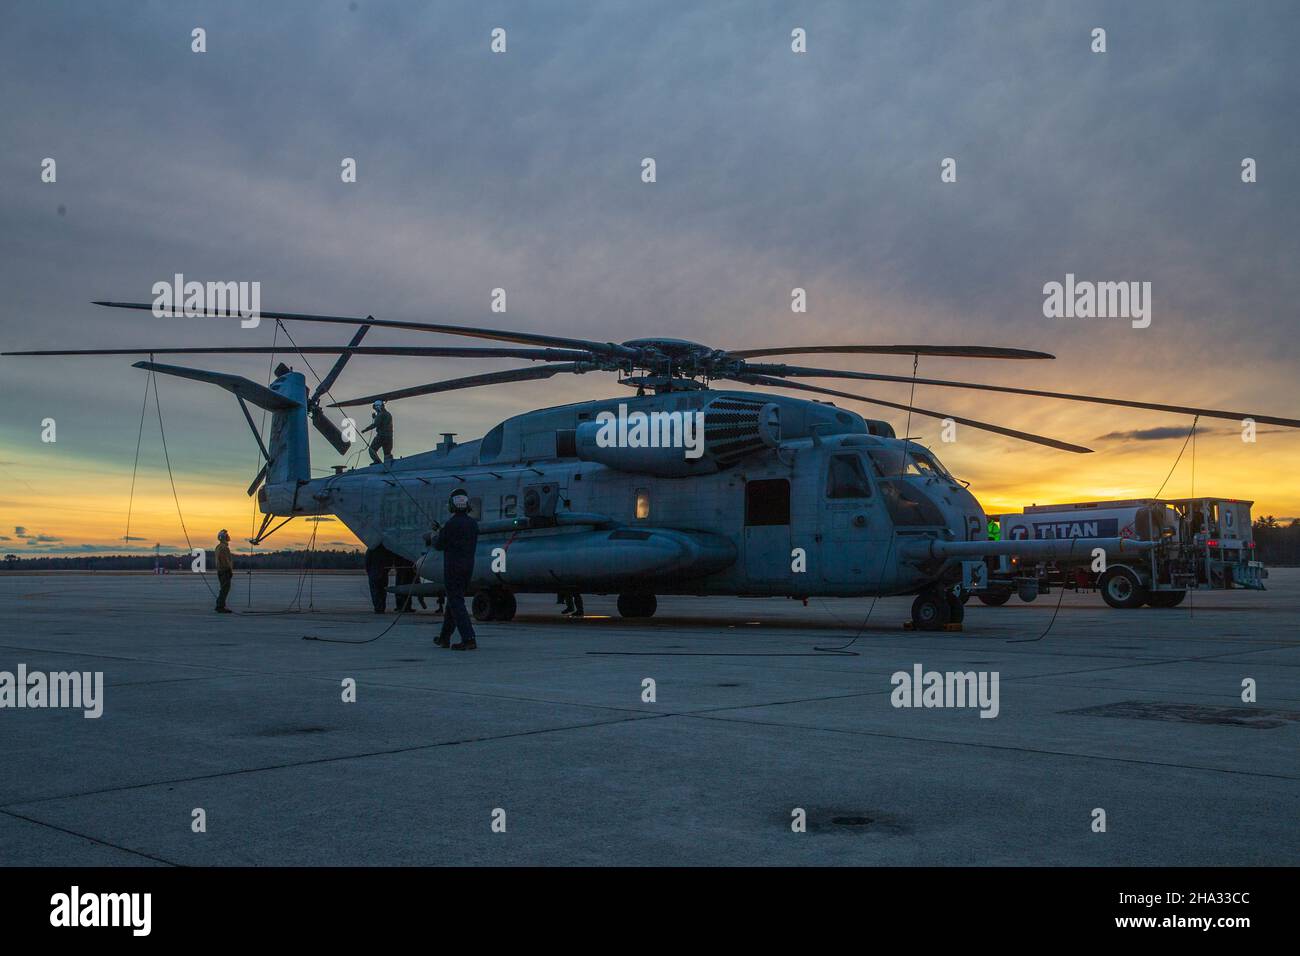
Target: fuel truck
{"type": "Point", "coordinates": [1199, 544]}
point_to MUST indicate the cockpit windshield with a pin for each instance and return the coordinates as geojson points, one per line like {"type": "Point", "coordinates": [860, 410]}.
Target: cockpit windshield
{"type": "Point", "coordinates": [888, 463]}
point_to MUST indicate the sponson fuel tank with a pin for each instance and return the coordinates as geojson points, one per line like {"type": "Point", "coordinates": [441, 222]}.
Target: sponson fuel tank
{"type": "Point", "coordinates": [628, 557]}
{"type": "Point", "coordinates": [674, 444]}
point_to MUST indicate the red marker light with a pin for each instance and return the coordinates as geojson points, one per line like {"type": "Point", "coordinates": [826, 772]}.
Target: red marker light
{"type": "Point", "coordinates": [1212, 543]}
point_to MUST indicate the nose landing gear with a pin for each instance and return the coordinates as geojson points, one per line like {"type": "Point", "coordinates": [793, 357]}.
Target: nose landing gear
{"type": "Point", "coordinates": [935, 608]}
{"type": "Point", "coordinates": [637, 605]}
{"type": "Point", "coordinates": [496, 604]}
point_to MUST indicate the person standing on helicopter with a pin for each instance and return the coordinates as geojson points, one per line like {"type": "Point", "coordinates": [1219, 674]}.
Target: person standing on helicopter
{"type": "Point", "coordinates": [382, 426]}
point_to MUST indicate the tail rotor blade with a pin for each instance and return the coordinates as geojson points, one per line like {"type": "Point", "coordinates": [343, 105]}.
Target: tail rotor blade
{"type": "Point", "coordinates": [327, 428]}
{"type": "Point", "coordinates": [325, 383]}
{"type": "Point", "coordinates": [257, 481]}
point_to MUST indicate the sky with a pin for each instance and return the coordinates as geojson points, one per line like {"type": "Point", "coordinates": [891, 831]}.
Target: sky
{"type": "Point", "coordinates": [522, 170]}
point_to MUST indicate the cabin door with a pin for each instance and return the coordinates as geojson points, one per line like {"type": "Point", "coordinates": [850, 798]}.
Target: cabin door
{"type": "Point", "coordinates": [854, 528]}
{"type": "Point", "coordinates": [767, 530]}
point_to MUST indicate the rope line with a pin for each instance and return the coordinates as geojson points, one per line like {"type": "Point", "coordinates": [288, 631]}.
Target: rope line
{"type": "Point", "coordinates": [130, 502]}
{"type": "Point", "coordinates": [162, 431]}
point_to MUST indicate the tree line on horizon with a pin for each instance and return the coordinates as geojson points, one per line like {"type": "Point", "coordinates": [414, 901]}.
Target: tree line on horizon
{"type": "Point", "coordinates": [1277, 543]}
{"type": "Point", "coordinates": [292, 560]}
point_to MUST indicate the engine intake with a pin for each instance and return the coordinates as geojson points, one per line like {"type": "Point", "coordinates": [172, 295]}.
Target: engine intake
{"type": "Point", "coordinates": [675, 444]}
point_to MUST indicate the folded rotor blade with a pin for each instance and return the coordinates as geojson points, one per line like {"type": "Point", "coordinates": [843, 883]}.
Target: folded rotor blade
{"type": "Point", "coordinates": [958, 351]}
{"type": "Point", "coordinates": [983, 426]}
{"type": "Point", "coordinates": [472, 381]}
{"type": "Point", "coordinates": [499, 335]}
{"type": "Point", "coordinates": [784, 370]}
{"type": "Point", "coordinates": [259, 395]}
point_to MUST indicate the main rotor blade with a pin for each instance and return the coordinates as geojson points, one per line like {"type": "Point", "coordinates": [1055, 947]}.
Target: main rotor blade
{"type": "Point", "coordinates": [783, 370]}
{"type": "Point", "coordinates": [499, 335]}
{"type": "Point", "coordinates": [333, 374]}
{"type": "Point", "coordinates": [539, 355]}
{"type": "Point", "coordinates": [984, 426]}
{"type": "Point", "coordinates": [472, 381]}
{"type": "Point", "coordinates": [958, 351]}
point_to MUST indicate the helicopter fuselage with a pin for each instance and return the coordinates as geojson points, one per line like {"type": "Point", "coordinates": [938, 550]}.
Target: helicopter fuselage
{"type": "Point", "coordinates": [792, 498]}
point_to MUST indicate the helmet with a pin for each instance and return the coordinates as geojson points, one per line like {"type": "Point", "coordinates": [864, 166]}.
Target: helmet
{"type": "Point", "coordinates": [459, 500]}
{"type": "Point", "coordinates": [379, 404]}
{"type": "Point", "coordinates": [223, 535]}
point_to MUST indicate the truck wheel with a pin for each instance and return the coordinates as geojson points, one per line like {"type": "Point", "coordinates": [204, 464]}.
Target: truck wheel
{"type": "Point", "coordinates": [1122, 588]}
{"type": "Point", "coordinates": [930, 610]}
{"type": "Point", "coordinates": [482, 607]}
{"type": "Point", "coordinates": [994, 598]}
{"type": "Point", "coordinates": [503, 606]}
{"type": "Point", "coordinates": [637, 605]}
{"type": "Point", "coordinates": [1166, 598]}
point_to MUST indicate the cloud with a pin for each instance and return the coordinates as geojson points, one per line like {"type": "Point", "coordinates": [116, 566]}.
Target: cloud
{"type": "Point", "coordinates": [1132, 157]}
{"type": "Point", "coordinates": [1151, 434]}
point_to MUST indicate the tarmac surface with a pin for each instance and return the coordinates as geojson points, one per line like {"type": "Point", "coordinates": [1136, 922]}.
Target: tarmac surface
{"type": "Point", "coordinates": [1138, 713]}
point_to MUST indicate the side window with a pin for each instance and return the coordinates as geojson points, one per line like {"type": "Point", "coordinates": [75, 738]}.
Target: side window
{"type": "Point", "coordinates": [846, 478]}
{"type": "Point", "coordinates": [767, 502]}
{"type": "Point", "coordinates": [509, 505]}
{"type": "Point", "coordinates": [642, 503]}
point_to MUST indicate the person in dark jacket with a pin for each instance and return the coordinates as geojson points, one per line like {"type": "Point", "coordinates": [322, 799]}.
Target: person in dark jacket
{"type": "Point", "coordinates": [457, 540]}
{"type": "Point", "coordinates": [225, 570]}
{"type": "Point", "coordinates": [377, 565]}
{"type": "Point", "coordinates": [404, 573]}
{"type": "Point", "coordinates": [382, 426]}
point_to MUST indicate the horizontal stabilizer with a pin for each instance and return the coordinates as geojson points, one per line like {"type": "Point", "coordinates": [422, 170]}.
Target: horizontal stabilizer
{"type": "Point", "coordinates": [250, 391]}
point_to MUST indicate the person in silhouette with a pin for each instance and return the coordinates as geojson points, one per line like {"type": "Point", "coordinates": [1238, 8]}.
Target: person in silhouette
{"type": "Point", "coordinates": [382, 426]}
{"type": "Point", "coordinates": [457, 540]}
{"type": "Point", "coordinates": [225, 570]}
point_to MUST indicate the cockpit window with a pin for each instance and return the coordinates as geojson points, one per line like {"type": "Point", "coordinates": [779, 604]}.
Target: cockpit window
{"type": "Point", "coordinates": [888, 463]}
{"type": "Point", "coordinates": [846, 478]}
{"type": "Point", "coordinates": [925, 466]}
{"type": "Point", "coordinates": [908, 505]}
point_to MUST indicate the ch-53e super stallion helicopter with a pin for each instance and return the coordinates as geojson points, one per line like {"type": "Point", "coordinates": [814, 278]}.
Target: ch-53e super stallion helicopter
{"type": "Point", "coordinates": [779, 497]}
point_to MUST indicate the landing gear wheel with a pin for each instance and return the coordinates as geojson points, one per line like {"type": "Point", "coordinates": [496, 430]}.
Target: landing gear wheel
{"type": "Point", "coordinates": [1166, 598]}
{"type": "Point", "coordinates": [994, 598]}
{"type": "Point", "coordinates": [481, 607]}
{"type": "Point", "coordinates": [1121, 588]}
{"type": "Point", "coordinates": [503, 605]}
{"type": "Point", "coordinates": [637, 605]}
{"type": "Point", "coordinates": [930, 610]}
{"type": "Point", "coordinates": [956, 607]}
